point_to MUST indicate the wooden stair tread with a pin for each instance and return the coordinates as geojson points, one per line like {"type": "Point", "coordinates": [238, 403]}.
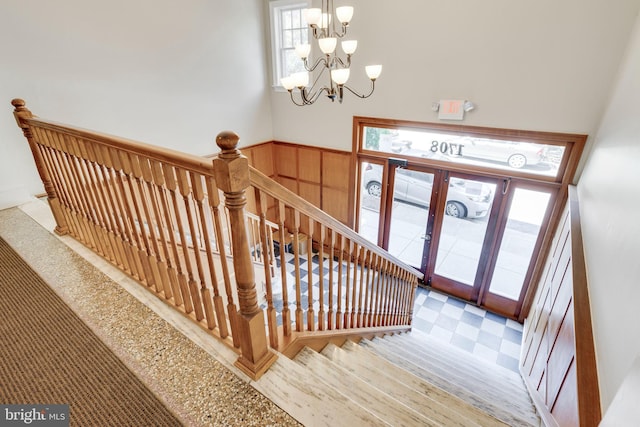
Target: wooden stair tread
{"type": "Point", "coordinates": [439, 405]}
{"type": "Point", "coordinates": [293, 388]}
{"type": "Point", "coordinates": [482, 398]}
{"type": "Point", "coordinates": [459, 366]}
{"type": "Point", "coordinates": [362, 393]}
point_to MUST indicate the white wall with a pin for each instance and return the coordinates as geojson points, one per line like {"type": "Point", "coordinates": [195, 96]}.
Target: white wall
{"type": "Point", "coordinates": [538, 65]}
{"type": "Point", "coordinates": [609, 192]}
{"type": "Point", "coordinates": [165, 72]}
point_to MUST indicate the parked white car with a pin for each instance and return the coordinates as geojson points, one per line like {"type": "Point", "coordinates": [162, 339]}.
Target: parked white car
{"type": "Point", "coordinates": [516, 154]}
{"type": "Point", "coordinates": [464, 199]}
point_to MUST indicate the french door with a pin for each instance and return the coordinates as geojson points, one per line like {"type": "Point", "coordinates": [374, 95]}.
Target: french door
{"type": "Point", "coordinates": [472, 236]}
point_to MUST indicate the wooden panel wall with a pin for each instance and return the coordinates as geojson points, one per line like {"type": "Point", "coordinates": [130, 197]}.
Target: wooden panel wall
{"type": "Point", "coordinates": [558, 358]}
{"type": "Point", "coordinates": [320, 176]}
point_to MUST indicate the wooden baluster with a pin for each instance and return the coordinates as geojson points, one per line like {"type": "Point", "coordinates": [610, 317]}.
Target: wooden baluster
{"type": "Point", "coordinates": [393, 283]}
{"type": "Point", "coordinates": [170, 179]}
{"type": "Point", "coordinates": [267, 248]}
{"type": "Point", "coordinates": [330, 315]}
{"type": "Point", "coordinates": [155, 226]}
{"type": "Point", "coordinates": [84, 235]}
{"type": "Point", "coordinates": [296, 263]}
{"type": "Point", "coordinates": [378, 287]}
{"type": "Point", "coordinates": [310, 311]}
{"type": "Point", "coordinates": [354, 287]}
{"type": "Point", "coordinates": [111, 183]}
{"type": "Point", "coordinates": [198, 195]}
{"type": "Point", "coordinates": [232, 176]}
{"type": "Point", "coordinates": [347, 295]}
{"type": "Point", "coordinates": [363, 271]}
{"type": "Point", "coordinates": [148, 232]}
{"type": "Point", "coordinates": [321, 319]}
{"type": "Point", "coordinates": [368, 296]}
{"type": "Point", "coordinates": [105, 220]}
{"type": "Point", "coordinates": [383, 296]}
{"type": "Point", "coordinates": [395, 298]}
{"type": "Point", "coordinates": [167, 234]}
{"type": "Point", "coordinates": [22, 114]}
{"type": "Point", "coordinates": [371, 277]}
{"type": "Point", "coordinates": [183, 186]}
{"type": "Point", "coordinates": [214, 205]}
{"type": "Point", "coordinates": [105, 238]}
{"type": "Point", "coordinates": [81, 193]}
{"type": "Point", "coordinates": [403, 308]}
{"type": "Point", "coordinates": [286, 313]}
{"type": "Point", "coordinates": [106, 214]}
{"type": "Point", "coordinates": [136, 222]}
{"type": "Point", "coordinates": [339, 314]}
{"type": "Point", "coordinates": [52, 170]}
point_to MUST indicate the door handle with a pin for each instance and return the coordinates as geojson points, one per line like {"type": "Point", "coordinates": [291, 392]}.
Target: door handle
{"type": "Point", "coordinates": [426, 237]}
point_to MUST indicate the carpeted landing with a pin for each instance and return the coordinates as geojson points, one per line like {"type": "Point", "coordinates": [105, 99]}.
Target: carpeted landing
{"type": "Point", "coordinates": [49, 356]}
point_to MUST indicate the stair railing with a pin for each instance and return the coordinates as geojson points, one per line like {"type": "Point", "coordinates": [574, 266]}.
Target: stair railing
{"type": "Point", "coordinates": [158, 215]}
{"type": "Point", "coordinates": [328, 278]}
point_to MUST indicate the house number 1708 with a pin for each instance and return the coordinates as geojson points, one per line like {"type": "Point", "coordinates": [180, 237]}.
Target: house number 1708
{"type": "Point", "coordinates": [445, 147]}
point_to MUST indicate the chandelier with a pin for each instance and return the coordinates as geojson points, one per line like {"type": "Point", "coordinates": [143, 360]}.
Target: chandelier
{"type": "Point", "coordinates": [330, 65]}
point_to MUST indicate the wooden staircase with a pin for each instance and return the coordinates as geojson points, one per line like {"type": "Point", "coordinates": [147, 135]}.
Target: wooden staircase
{"type": "Point", "coordinates": [399, 380]}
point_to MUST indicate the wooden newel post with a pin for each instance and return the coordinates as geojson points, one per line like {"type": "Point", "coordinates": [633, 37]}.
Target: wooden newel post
{"type": "Point", "coordinates": [22, 113]}
{"type": "Point", "coordinates": [232, 177]}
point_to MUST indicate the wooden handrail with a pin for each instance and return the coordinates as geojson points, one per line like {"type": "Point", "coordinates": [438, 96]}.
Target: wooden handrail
{"type": "Point", "coordinates": [558, 354]}
{"type": "Point", "coordinates": [589, 411]}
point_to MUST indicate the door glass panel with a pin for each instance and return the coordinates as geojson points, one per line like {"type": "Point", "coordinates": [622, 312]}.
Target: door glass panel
{"type": "Point", "coordinates": [370, 192]}
{"type": "Point", "coordinates": [463, 229]}
{"type": "Point", "coordinates": [518, 241]}
{"type": "Point", "coordinates": [409, 215]}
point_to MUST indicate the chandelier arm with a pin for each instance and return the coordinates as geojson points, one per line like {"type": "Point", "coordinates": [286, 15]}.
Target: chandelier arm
{"type": "Point", "coordinates": [322, 60]}
{"type": "Point", "coordinates": [294, 100]}
{"type": "Point", "coordinates": [343, 63]}
{"type": "Point", "coordinates": [317, 95]}
{"type": "Point", "coordinates": [373, 86]}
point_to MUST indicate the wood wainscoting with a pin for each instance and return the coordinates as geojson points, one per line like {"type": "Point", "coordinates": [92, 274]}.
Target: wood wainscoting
{"type": "Point", "coordinates": [319, 175]}
{"type": "Point", "coordinates": [558, 356]}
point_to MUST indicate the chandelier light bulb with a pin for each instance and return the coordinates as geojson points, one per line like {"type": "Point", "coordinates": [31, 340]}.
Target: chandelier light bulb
{"type": "Point", "coordinates": [328, 45]}
{"type": "Point", "coordinates": [303, 50]}
{"type": "Point", "coordinates": [349, 46]}
{"type": "Point", "coordinates": [288, 83]}
{"type": "Point", "coordinates": [340, 75]}
{"type": "Point", "coordinates": [373, 71]}
{"type": "Point", "coordinates": [344, 14]}
{"type": "Point", "coordinates": [325, 20]}
{"type": "Point", "coordinates": [313, 16]}
{"type": "Point", "coordinates": [300, 79]}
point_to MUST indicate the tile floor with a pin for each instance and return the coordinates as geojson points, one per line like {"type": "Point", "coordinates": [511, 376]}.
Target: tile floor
{"type": "Point", "coordinates": [489, 336]}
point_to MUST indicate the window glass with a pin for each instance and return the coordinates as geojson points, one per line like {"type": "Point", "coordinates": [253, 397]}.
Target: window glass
{"type": "Point", "coordinates": [288, 29]}
{"type": "Point", "coordinates": [530, 157]}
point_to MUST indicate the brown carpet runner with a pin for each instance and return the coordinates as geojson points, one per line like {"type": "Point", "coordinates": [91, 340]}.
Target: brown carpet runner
{"type": "Point", "coordinates": [49, 356]}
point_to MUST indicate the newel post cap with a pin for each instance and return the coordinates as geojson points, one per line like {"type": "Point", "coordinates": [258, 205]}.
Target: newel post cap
{"type": "Point", "coordinates": [231, 167]}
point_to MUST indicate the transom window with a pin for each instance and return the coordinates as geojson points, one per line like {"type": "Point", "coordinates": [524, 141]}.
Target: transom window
{"type": "Point", "coordinates": [531, 157]}
{"type": "Point", "coordinates": [288, 29]}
